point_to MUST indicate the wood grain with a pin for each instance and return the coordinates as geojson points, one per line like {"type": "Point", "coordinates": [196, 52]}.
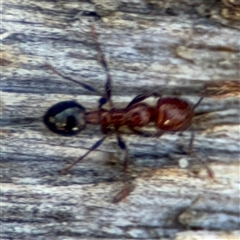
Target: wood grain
{"type": "Point", "coordinates": [185, 49]}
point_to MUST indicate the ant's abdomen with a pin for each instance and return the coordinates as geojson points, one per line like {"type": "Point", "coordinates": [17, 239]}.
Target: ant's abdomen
{"type": "Point", "coordinates": [173, 114]}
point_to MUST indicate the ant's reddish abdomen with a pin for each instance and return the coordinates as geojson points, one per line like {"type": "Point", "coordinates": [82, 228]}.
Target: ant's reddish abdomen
{"type": "Point", "coordinates": [173, 114]}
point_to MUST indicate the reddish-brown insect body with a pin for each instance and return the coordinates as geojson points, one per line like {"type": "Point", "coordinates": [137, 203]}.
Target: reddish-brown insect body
{"type": "Point", "coordinates": [173, 114]}
{"type": "Point", "coordinates": [169, 114]}
{"type": "Point", "coordinates": [138, 115]}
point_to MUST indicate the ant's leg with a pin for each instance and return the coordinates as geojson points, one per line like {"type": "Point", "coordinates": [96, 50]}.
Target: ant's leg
{"type": "Point", "coordinates": [190, 147]}
{"type": "Point", "coordinates": [128, 186]}
{"type": "Point", "coordinates": [96, 145]}
{"type": "Point", "coordinates": [141, 97]}
{"type": "Point", "coordinates": [86, 86]}
{"type": "Point", "coordinates": [194, 155]}
{"type": "Point", "coordinates": [198, 102]}
{"type": "Point", "coordinates": [108, 85]}
{"type": "Point", "coordinates": [123, 146]}
{"type": "Point", "coordinates": [127, 189]}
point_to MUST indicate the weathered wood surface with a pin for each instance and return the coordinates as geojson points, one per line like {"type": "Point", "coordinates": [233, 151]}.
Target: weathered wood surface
{"type": "Point", "coordinates": [170, 47]}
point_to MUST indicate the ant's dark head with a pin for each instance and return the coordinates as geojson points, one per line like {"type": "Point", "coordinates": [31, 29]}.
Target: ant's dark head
{"type": "Point", "coordinates": [65, 118]}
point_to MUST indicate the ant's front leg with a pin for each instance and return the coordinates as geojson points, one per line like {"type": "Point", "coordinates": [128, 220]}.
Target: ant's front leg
{"type": "Point", "coordinates": [142, 97]}
{"type": "Point", "coordinates": [84, 85]}
{"type": "Point", "coordinates": [108, 85]}
{"type": "Point", "coordinates": [95, 146]}
{"type": "Point", "coordinates": [107, 96]}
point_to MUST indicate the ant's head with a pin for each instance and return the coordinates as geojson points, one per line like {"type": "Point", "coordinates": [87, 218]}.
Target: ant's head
{"type": "Point", "coordinates": [65, 118]}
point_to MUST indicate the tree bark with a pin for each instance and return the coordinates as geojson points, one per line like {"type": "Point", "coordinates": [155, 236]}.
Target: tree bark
{"type": "Point", "coordinates": [187, 49]}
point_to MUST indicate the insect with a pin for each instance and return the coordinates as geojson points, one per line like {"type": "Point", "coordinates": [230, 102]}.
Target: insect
{"type": "Point", "coordinates": [69, 118]}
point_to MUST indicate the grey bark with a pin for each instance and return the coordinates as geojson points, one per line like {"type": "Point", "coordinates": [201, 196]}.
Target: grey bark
{"type": "Point", "coordinates": [176, 48]}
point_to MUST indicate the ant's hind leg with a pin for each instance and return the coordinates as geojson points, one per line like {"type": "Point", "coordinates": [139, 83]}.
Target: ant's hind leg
{"type": "Point", "coordinates": [142, 97]}
{"type": "Point", "coordinates": [198, 102]}
{"type": "Point", "coordinates": [194, 155]}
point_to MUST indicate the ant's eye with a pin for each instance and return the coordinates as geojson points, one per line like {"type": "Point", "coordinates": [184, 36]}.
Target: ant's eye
{"type": "Point", "coordinates": [65, 118]}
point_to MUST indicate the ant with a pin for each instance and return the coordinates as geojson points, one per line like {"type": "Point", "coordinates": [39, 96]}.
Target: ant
{"type": "Point", "coordinates": [170, 114]}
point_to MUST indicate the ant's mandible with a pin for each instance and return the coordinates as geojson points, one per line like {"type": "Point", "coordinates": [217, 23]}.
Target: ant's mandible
{"type": "Point", "coordinates": [68, 118]}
